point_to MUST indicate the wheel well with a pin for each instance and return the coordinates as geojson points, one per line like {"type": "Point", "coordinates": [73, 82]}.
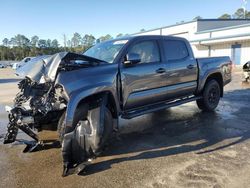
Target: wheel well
{"type": "Point", "coordinates": [111, 105]}
{"type": "Point", "coordinates": [219, 79]}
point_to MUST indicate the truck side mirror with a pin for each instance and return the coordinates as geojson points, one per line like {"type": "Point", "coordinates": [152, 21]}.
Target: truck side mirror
{"type": "Point", "coordinates": [132, 58]}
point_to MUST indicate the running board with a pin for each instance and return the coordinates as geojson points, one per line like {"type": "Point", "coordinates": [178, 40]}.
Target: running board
{"type": "Point", "coordinates": [156, 107]}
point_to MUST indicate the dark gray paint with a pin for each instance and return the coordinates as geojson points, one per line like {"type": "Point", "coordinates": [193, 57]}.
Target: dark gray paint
{"type": "Point", "coordinates": [82, 83]}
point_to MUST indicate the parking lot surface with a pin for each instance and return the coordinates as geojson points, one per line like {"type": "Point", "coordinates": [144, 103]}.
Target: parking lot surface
{"type": "Point", "coordinates": [177, 147]}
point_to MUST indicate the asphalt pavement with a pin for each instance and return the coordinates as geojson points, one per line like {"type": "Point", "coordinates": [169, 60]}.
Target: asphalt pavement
{"type": "Point", "coordinates": [177, 147]}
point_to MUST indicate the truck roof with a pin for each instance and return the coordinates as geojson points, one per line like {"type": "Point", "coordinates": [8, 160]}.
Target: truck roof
{"type": "Point", "coordinates": [147, 36]}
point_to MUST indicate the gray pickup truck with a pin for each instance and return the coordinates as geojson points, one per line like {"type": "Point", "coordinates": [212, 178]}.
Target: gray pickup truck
{"type": "Point", "coordinates": [83, 95]}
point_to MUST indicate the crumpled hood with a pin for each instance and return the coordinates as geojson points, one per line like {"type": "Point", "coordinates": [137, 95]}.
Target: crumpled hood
{"type": "Point", "coordinates": [41, 69]}
{"type": "Point", "coordinates": [44, 68]}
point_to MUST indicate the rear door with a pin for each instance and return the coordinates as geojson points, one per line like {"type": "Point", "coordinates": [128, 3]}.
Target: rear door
{"type": "Point", "coordinates": [142, 83]}
{"type": "Point", "coordinates": [182, 68]}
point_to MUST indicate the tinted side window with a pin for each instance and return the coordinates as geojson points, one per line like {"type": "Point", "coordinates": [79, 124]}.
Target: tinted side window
{"type": "Point", "coordinates": [175, 50]}
{"type": "Point", "coordinates": [147, 50]}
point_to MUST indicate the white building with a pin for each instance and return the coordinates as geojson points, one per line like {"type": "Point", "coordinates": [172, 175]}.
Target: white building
{"type": "Point", "coordinates": [213, 37]}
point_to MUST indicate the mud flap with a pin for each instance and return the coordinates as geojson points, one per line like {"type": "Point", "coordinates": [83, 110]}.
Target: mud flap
{"type": "Point", "coordinates": [85, 141]}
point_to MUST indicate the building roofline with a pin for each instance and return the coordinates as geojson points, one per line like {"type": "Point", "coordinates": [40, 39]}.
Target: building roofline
{"type": "Point", "coordinates": [182, 23]}
{"type": "Point", "coordinates": [218, 38]}
{"type": "Point", "coordinates": [177, 24]}
{"type": "Point", "coordinates": [218, 19]}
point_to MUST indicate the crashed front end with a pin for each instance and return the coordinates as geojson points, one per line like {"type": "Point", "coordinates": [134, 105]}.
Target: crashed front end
{"type": "Point", "coordinates": [34, 106]}
{"type": "Point", "coordinates": [41, 100]}
{"type": "Point", "coordinates": [38, 102]}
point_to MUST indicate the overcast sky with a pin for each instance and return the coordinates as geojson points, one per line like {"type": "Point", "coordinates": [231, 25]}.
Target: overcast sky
{"type": "Point", "coordinates": [53, 18]}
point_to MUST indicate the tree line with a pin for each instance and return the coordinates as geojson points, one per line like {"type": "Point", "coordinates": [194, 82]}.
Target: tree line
{"type": "Point", "coordinates": [238, 14]}
{"type": "Point", "coordinates": [20, 46]}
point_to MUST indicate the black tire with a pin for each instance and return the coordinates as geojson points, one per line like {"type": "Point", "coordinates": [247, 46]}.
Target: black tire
{"type": "Point", "coordinates": [210, 96]}
{"type": "Point", "coordinates": [108, 127]}
{"type": "Point", "coordinates": [61, 127]}
{"type": "Point", "coordinates": [81, 114]}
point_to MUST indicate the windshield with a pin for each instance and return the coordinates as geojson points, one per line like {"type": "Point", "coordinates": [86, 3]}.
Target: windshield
{"type": "Point", "coordinates": [106, 51]}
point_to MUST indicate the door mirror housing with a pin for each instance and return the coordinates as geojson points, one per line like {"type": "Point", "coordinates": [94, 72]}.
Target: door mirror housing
{"type": "Point", "coordinates": [132, 58]}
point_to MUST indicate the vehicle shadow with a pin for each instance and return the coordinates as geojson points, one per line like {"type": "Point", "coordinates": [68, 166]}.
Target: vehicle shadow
{"type": "Point", "coordinates": [32, 146]}
{"type": "Point", "coordinates": [3, 81]}
{"type": "Point", "coordinates": [105, 165]}
{"type": "Point", "coordinates": [181, 130]}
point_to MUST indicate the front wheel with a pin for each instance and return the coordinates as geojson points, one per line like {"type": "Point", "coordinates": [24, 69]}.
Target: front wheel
{"type": "Point", "coordinates": [92, 127]}
{"type": "Point", "coordinates": [210, 97]}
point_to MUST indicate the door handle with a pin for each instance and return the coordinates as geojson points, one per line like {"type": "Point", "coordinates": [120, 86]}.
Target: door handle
{"type": "Point", "coordinates": [160, 70]}
{"type": "Point", "coordinates": [190, 66]}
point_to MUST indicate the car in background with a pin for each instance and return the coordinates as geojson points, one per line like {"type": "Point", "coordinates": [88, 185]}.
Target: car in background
{"type": "Point", "coordinates": [246, 71]}
{"type": "Point", "coordinates": [21, 63]}
{"type": "Point", "coordinates": [3, 65]}
{"type": "Point", "coordinates": [15, 66]}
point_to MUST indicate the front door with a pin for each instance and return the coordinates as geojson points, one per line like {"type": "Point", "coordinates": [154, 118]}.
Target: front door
{"type": "Point", "coordinates": [142, 82]}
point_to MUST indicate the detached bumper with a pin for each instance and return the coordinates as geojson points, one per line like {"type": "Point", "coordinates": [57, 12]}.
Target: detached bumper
{"type": "Point", "coordinates": [19, 119]}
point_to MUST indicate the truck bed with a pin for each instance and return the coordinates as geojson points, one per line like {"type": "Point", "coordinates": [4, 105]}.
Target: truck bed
{"type": "Point", "coordinates": [208, 65]}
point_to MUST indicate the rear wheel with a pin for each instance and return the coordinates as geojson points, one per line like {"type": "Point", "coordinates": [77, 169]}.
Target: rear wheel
{"type": "Point", "coordinates": [210, 97]}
